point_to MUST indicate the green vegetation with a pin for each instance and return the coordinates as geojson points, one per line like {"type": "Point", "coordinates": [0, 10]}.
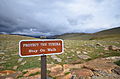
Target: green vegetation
{"type": "Point", "coordinates": [67, 73]}
{"type": "Point", "coordinates": [118, 63]}
{"type": "Point", "coordinates": [21, 75]}
{"type": "Point", "coordinates": [75, 50]}
{"type": "Point", "coordinates": [9, 52]}
{"type": "Point", "coordinates": [34, 74]}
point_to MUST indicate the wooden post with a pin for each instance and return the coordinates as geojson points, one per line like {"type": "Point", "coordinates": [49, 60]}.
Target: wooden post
{"type": "Point", "coordinates": [43, 67]}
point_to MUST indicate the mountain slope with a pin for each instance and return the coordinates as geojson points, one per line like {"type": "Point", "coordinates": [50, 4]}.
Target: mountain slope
{"type": "Point", "coordinates": [75, 52]}
{"type": "Point", "coordinates": [109, 31]}
{"type": "Point", "coordinates": [111, 34]}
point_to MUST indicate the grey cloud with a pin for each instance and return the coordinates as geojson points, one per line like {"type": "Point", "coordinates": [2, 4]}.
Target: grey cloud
{"type": "Point", "coordinates": [81, 19]}
{"type": "Point", "coordinates": [57, 16]}
{"type": "Point", "coordinates": [30, 15]}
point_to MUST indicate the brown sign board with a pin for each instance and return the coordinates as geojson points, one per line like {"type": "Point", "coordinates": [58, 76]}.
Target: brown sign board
{"type": "Point", "coordinates": [29, 48]}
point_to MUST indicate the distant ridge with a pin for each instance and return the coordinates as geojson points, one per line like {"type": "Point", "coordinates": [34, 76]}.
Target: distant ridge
{"type": "Point", "coordinates": [110, 31]}
{"type": "Point", "coordinates": [113, 33]}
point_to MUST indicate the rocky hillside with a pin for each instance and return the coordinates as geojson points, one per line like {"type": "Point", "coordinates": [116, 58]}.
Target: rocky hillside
{"type": "Point", "coordinates": [110, 34]}
{"type": "Point", "coordinates": [109, 31]}
{"type": "Point", "coordinates": [84, 59]}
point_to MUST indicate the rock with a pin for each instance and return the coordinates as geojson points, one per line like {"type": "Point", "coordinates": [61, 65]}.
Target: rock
{"type": "Point", "coordinates": [65, 53]}
{"type": "Point", "coordinates": [56, 74]}
{"type": "Point", "coordinates": [78, 52]}
{"type": "Point", "coordinates": [2, 53]}
{"type": "Point", "coordinates": [59, 59]}
{"type": "Point", "coordinates": [67, 67]}
{"type": "Point", "coordinates": [14, 54]}
{"type": "Point", "coordinates": [39, 58]}
{"type": "Point", "coordinates": [72, 50]}
{"type": "Point", "coordinates": [9, 78]}
{"type": "Point", "coordinates": [32, 77]}
{"type": "Point", "coordinates": [52, 62]}
{"type": "Point", "coordinates": [31, 71]}
{"type": "Point", "coordinates": [20, 59]}
{"type": "Point", "coordinates": [73, 77]}
{"type": "Point", "coordinates": [68, 57]}
{"type": "Point", "coordinates": [7, 72]}
{"type": "Point", "coordinates": [15, 67]}
{"type": "Point", "coordinates": [56, 70]}
{"type": "Point", "coordinates": [112, 47]}
{"type": "Point", "coordinates": [98, 44]}
{"type": "Point", "coordinates": [68, 76]}
{"type": "Point", "coordinates": [77, 61]}
{"type": "Point", "coordinates": [66, 46]}
{"type": "Point", "coordinates": [116, 70]}
{"type": "Point", "coordinates": [23, 63]}
{"type": "Point", "coordinates": [56, 58]}
{"type": "Point", "coordinates": [53, 56]}
{"type": "Point", "coordinates": [106, 48]}
{"type": "Point", "coordinates": [3, 58]}
{"type": "Point", "coordinates": [109, 76]}
{"type": "Point", "coordinates": [102, 53]}
{"type": "Point", "coordinates": [100, 64]}
{"type": "Point", "coordinates": [96, 73]}
{"type": "Point", "coordinates": [84, 77]}
{"type": "Point", "coordinates": [100, 73]}
{"type": "Point", "coordinates": [84, 52]}
{"type": "Point", "coordinates": [84, 57]}
{"type": "Point", "coordinates": [2, 62]}
{"type": "Point", "coordinates": [82, 72]}
{"type": "Point", "coordinates": [1, 67]}
{"type": "Point", "coordinates": [114, 58]}
{"type": "Point", "coordinates": [77, 48]}
{"type": "Point", "coordinates": [65, 61]}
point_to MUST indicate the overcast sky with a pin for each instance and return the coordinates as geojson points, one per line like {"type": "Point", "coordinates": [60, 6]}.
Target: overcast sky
{"type": "Point", "coordinates": [49, 17]}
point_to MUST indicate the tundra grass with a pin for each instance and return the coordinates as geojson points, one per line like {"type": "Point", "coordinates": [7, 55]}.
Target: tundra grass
{"type": "Point", "coordinates": [9, 52]}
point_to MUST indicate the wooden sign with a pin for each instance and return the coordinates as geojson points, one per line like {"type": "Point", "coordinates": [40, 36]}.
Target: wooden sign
{"type": "Point", "coordinates": [29, 48]}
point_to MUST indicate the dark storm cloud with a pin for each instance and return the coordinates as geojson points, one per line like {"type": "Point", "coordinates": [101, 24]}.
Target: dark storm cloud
{"type": "Point", "coordinates": [51, 17]}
